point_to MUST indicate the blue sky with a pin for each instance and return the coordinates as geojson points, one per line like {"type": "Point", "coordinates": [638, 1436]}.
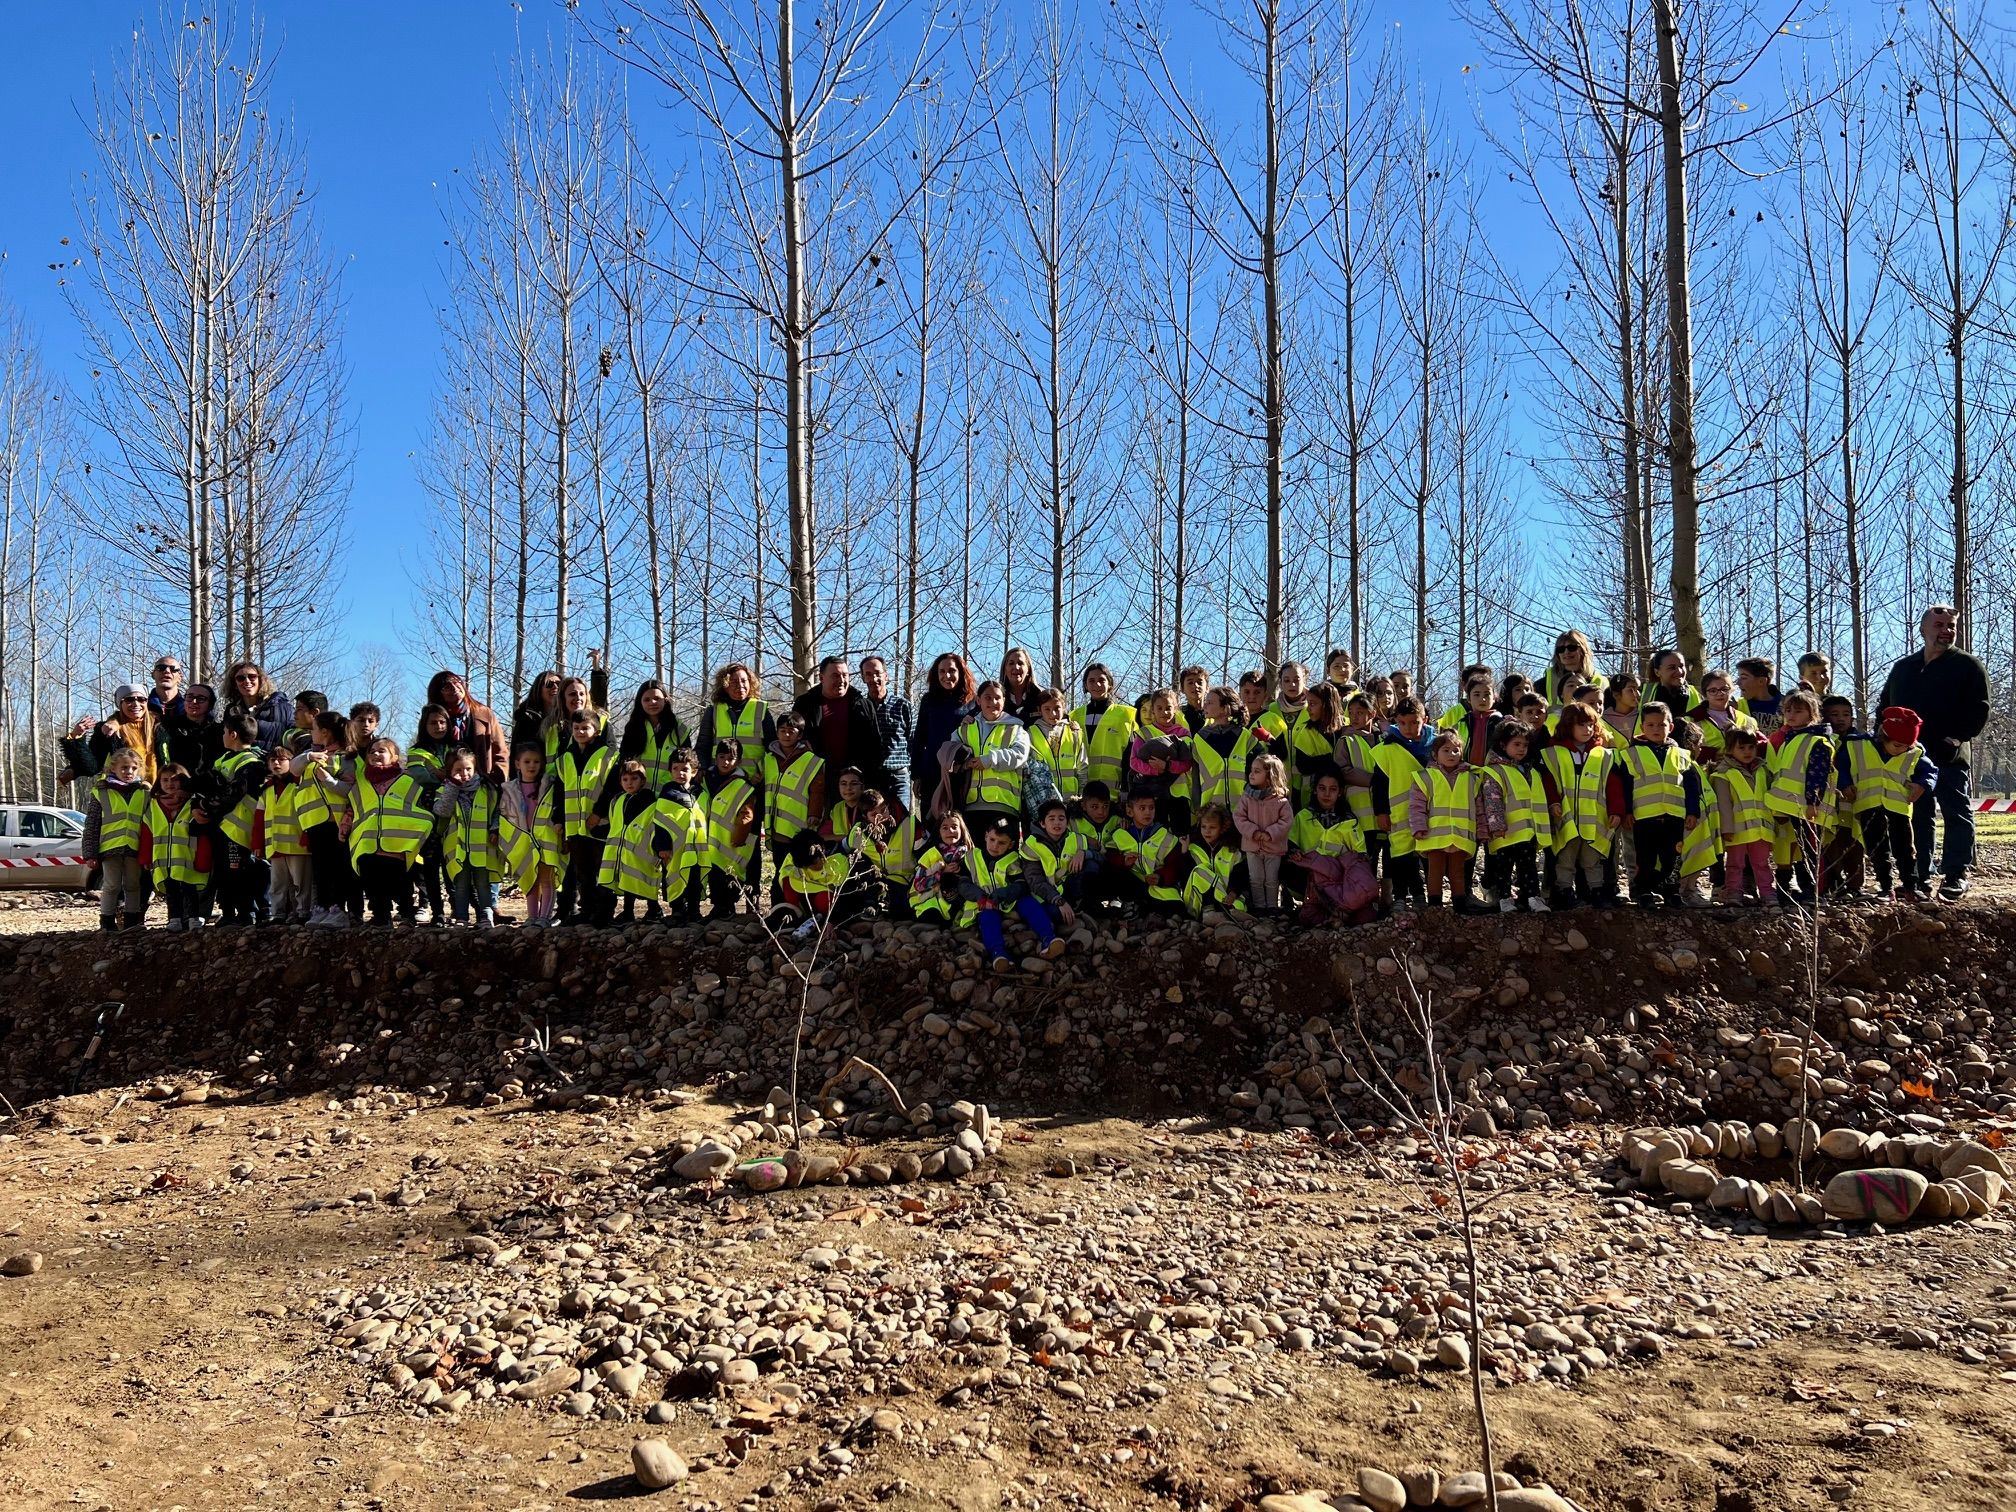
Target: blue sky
{"type": "Point", "coordinates": [388, 97]}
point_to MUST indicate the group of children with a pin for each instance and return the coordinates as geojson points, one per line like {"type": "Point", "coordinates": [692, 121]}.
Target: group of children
{"type": "Point", "coordinates": [1335, 800]}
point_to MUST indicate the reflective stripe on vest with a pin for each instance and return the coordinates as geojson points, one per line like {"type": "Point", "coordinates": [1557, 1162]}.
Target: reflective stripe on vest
{"type": "Point", "coordinates": [290, 812]}
{"type": "Point", "coordinates": [1525, 799]}
{"type": "Point", "coordinates": [991, 874]}
{"type": "Point", "coordinates": [1332, 838]}
{"type": "Point", "coordinates": [174, 845]}
{"type": "Point", "coordinates": [1881, 782]}
{"type": "Point", "coordinates": [926, 901]}
{"type": "Point", "coordinates": [992, 787]}
{"type": "Point", "coordinates": [121, 813]}
{"type": "Point", "coordinates": [1585, 801]}
{"type": "Point", "coordinates": [1658, 788]}
{"type": "Point", "coordinates": [1452, 810]}
{"type": "Point", "coordinates": [630, 863]}
{"type": "Point", "coordinates": [526, 850]}
{"type": "Point", "coordinates": [1787, 793]}
{"type": "Point", "coordinates": [1216, 778]}
{"type": "Point", "coordinates": [1065, 756]}
{"type": "Point", "coordinates": [745, 729]}
{"type": "Point", "coordinates": [473, 838]}
{"type": "Point", "coordinates": [1402, 770]}
{"type": "Point", "coordinates": [1306, 740]}
{"type": "Point", "coordinates": [1749, 815]}
{"type": "Point", "coordinates": [1145, 857]}
{"type": "Point", "coordinates": [236, 826]}
{"type": "Point", "coordinates": [1700, 847]}
{"type": "Point", "coordinates": [656, 757]}
{"type": "Point", "coordinates": [1054, 861]}
{"type": "Point", "coordinates": [1106, 744]}
{"type": "Point", "coordinates": [392, 823]}
{"type": "Point", "coordinates": [722, 808]}
{"type": "Point", "coordinates": [824, 875]}
{"type": "Point", "coordinates": [1210, 879]}
{"type": "Point", "coordinates": [580, 785]}
{"type": "Point", "coordinates": [787, 800]}
{"type": "Point", "coordinates": [1358, 751]}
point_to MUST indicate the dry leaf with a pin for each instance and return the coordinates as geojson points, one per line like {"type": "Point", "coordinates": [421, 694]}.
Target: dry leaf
{"type": "Point", "coordinates": [863, 1215]}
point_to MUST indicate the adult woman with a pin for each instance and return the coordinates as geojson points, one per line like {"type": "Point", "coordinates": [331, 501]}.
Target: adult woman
{"type": "Point", "coordinates": [248, 690]}
{"type": "Point", "coordinates": [652, 733]}
{"type": "Point", "coordinates": [540, 703]}
{"type": "Point", "coordinates": [131, 726]}
{"type": "Point", "coordinates": [577, 696]}
{"type": "Point", "coordinates": [193, 738]}
{"type": "Point", "coordinates": [947, 699]}
{"type": "Point", "coordinates": [471, 724]}
{"type": "Point", "coordinates": [737, 714]}
{"type": "Point", "coordinates": [1572, 654]}
{"type": "Point", "coordinates": [1018, 684]}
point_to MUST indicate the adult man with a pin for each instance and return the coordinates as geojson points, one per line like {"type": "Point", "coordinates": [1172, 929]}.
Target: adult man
{"type": "Point", "coordinates": [166, 698]}
{"type": "Point", "coordinates": [895, 720]}
{"type": "Point", "coordinates": [839, 725]}
{"type": "Point", "coordinates": [1948, 690]}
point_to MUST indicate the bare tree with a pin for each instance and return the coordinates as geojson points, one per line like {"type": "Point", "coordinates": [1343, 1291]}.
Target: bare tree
{"type": "Point", "coordinates": [1287, 52]}
{"type": "Point", "coordinates": [797, 122]}
{"type": "Point", "coordinates": [209, 314]}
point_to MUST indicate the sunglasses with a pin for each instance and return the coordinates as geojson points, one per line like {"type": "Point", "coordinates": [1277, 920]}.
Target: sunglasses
{"type": "Point", "coordinates": [166, 667]}
{"type": "Point", "coordinates": [251, 677]}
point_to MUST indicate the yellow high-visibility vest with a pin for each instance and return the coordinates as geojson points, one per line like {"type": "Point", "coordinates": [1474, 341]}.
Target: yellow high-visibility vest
{"type": "Point", "coordinates": [1748, 817]}
{"type": "Point", "coordinates": [1144, 857]}
{"type": "Point", "coordinates": [1325, 838]}
{"type": "Point", "coordinates": [787, 793]}
{"type": "Point", "coordinates": [1658, 787]}
{"type": "Point", "coordinates": [1452, 810]}
{"type": "Point", "coordinates": [926, 901]}
{"type": "Point", "coordinates": [1787, 794]}
{"type": "Point", "coordinates": [1210, 881]}
{"type": "Point", "coordinates": [630, 863]}
{"type": "Point", "coordinates": [992, 787]}
{"type": "Point", "coordinates": [1700, 847]}
{"type": "Point", "coordinates": [989, 872]}
{"type": "Point", "coordinates": [1053, 860]}
{"type": "Point", "coordinates": [686, 825]}
{"type": "Point", "coordinates": [395, 822]}
{"type": "Point", "coordinates": [473, 837]}
{"type": "Point", "coordinates": [1064, 755]}
{"type": "Point", "coordinates": [1358, 756]}
{"type": "Point", "coordinates": [581, 783]}
{"type": "Point", "coordinates": [173, 840]}
{"type": "Point", "coordinates": [895, 857]}
{"type": "Point", "coordinates": [530, 843]}
{"type": "Point", "coordinates": [1585, 796]}
{"type": "Point", "coordinates": [1881, 782]}
{"type": "Point", "coordinates": [1402, 770]}
{"type": "Point", "coordinates": [1106, 743]}
{"type": "Point", "coordinates": [745, 729]}
{"type": "Point", "coordinates": [122, 812]}
{"type": "Point", "coordinates": [722, 808]}
{"type": "Point", "coordinates": [1525, 799]}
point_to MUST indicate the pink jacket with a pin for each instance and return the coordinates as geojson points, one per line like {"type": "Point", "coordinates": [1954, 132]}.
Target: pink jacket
{"type": "Point", "coordinates": [1264, 820]}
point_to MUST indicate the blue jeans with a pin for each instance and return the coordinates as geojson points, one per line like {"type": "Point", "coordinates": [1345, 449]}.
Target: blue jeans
{"type": "Point", "coordinates": [1956, 807]}
{"type": "Point", "coordinates": [476, 886]}
{"type": "Point", "coordinates": [1033, 913]}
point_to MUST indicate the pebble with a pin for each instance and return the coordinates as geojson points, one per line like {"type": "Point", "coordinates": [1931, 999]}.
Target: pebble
{"type": "Point", "coordinates": [656, 1464]}
{"type": "Point", "coordinates": [1380, 1491]}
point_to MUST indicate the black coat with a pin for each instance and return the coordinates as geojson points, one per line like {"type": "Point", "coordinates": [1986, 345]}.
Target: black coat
{"type": "Point", "coordinates": [1950, 693]}
{"type": "Point", "coordinates": [866, 746]}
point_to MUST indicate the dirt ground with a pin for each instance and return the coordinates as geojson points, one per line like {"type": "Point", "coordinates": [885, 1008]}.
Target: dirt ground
{"type": "Point", "coordinates": [175, 1349]}
{"type": "Point", "coordinates": [168, 1356]}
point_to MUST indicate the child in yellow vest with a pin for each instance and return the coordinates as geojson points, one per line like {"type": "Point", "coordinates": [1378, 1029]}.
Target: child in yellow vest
{"type": "Point", "coordinates": [114, 817]}
{"type": "Point", "coordinates": [283, 815]}
{"type": "Point", "coordinates": [1215, 864]}
{"type": "Point", "coordinates": [1658, 791]}
{"type": "Point", "coordinates": [1892, 773]}
{"type": "Point", "coordinates": [389, 822]}
{"type": "Point", "coordinates": [686, 822]}
{"type": "Point", "coordinates": [1701, 848]}
{"type": "Point", "coordinates": [174, 846]}
{"type": "Point", "coordinates": [1575, 771]}
{"type": "Point", "coordinates": [1442, 818]}
{"type": "Point", "coordinates": [472, 844]}
{"type": "Point", "coordinates": [1741, 780]}
{"type": "Point", "coordinates": [995, 883]}
{"type": "Point", "coordinates": [536, 850]}
{"type": "Point", "coordinates": [1513, 807]}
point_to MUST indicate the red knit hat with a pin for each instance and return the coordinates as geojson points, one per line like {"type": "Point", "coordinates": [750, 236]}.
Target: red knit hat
{"type": "Point", "coordinates": [1901, 725]}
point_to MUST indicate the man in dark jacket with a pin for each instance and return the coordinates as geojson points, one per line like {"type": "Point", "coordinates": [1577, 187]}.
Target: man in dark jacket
{"type": "Point", "coordinates": [896, 722]}
{"type": "Point", "coordinates": [1948, 690]}
{"type": "Point", "coordinates": [839, 725]}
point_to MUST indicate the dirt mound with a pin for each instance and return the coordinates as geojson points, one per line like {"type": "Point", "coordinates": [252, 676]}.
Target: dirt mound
{"type": "Point", "coordinates": [1620, 1015]}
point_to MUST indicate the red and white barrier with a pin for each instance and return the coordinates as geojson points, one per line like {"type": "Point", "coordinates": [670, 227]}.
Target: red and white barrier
{"type": "Point", "coordinates": [1996, 806]}
{"type": "Point", "coordinates": [44, 861]}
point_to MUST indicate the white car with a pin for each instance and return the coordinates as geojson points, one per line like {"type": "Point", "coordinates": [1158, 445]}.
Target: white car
{"type": "Point", "coordinates": [30, 830]}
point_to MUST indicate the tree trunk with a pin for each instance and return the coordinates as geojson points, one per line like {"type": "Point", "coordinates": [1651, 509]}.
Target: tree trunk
{"type": "Point", "coordinates": [1270, 281]}
{"type": "Point", "coordinates": [1685, 577]}
{"type": "Point", "coordinates": [797, 358]}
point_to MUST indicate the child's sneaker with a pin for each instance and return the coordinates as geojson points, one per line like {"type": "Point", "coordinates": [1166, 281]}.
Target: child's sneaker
{"type": "Point", "coordinates": [1508, 904]}
{"type": "Point", "coordinates": [175, 926]}
{"type": "Point", "coordinates": [421, 916]}
{"type": "Point", "coordinates": [1054, 949]}
{"type": "Point", "coordinates": [806, 929]}
{"type": "Point", "coordinates": [1003, 966]}
{"type": "Point", "coordinates": [487, 919]}
{"type": "Point", "coordinates": [1537, 904]}
{"type": "Point", "coordinates": [193, 923]}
